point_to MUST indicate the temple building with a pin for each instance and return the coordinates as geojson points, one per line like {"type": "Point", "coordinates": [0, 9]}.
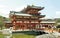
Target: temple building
{"type": "Point", "coordinates": [48, 22]}
{"type": "Point", "coordinates": [27, 19]}
{"type": "Point", "coordinates": [8, 24]}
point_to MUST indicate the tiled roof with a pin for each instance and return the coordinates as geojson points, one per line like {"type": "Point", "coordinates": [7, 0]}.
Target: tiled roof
{"type": "Point", "coordinates": [20, 13]}
{"type": "Point", "coordinates": [34, 7]}
{"type": "Point", "coordinates": [23, 14]}
{"type": "Point", "coordinates": [7, 21]}
{"type": "Point", "coordinates": [47, 22]}
{"type": "Point", "coordinates": [38, 7]}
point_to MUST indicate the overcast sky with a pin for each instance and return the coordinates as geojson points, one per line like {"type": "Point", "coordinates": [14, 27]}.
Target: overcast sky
{"type": "Point", "coordinates": [51, 10]}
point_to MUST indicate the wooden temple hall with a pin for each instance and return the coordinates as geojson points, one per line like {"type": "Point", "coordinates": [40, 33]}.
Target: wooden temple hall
{"type": "Point", "coordinates": [27, 19]}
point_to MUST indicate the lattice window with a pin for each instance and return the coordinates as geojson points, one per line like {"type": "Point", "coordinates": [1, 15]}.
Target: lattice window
{"type": "Point", "coordinates": [20, 21]}
{"type": "Point", "coordinates": [32, 22]}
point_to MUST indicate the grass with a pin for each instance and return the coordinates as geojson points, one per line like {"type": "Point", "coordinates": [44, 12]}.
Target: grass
{"type": "Point", "coordinates": [19, 35]}
{"type": "Point", "coordinates": [23, 36]}
{"type": "Point", "coordinates": [1, 35]}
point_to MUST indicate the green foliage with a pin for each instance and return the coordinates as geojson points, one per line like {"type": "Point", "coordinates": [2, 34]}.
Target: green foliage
{"type": "Point", "coordinates": [1, 22]}
{"type": "Point", "coordinates": [2, 19]}
{"type": "Point", "coordinates": [58, 20]}
{"type": "Point", "coordinates": [58, 26]}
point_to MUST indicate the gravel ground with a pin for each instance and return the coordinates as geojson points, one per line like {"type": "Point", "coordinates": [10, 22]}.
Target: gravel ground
{"type": "Point", "coordinates": [49, 36]}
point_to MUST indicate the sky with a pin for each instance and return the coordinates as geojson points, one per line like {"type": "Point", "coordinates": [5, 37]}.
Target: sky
{"type": "Point", "coordinates": [51, 10]}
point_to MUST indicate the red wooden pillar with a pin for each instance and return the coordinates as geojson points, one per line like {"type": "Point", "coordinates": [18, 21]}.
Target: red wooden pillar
{"type": "Point", "coordinates": [14, 25]}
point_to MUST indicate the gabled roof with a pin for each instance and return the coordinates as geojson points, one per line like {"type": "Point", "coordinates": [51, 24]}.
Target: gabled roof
{"type": "Point", "coordinates": [24, 14]}
{"type": "Point", "coordinates": [19, 13]}
{"type": "Point", "coordinates": [36, 7]}
{"type": "Point", "coordinates": [7, 21]}
{"type": "Point", "coordinates": [32, 7]}
{"type": "Point", "coordinates": [47, 22]}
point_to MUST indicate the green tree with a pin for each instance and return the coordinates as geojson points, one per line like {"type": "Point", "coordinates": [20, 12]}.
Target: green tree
{"type": "Point", "coordinates": [57, 21]}
{"type": "Point", "coordinates": [1, 22]}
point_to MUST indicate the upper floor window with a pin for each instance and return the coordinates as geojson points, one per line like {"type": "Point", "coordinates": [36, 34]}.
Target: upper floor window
{"type": "Point", "coordinates": [18, 22]}
{"type": "Point", "coordinates": [32, 22]}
